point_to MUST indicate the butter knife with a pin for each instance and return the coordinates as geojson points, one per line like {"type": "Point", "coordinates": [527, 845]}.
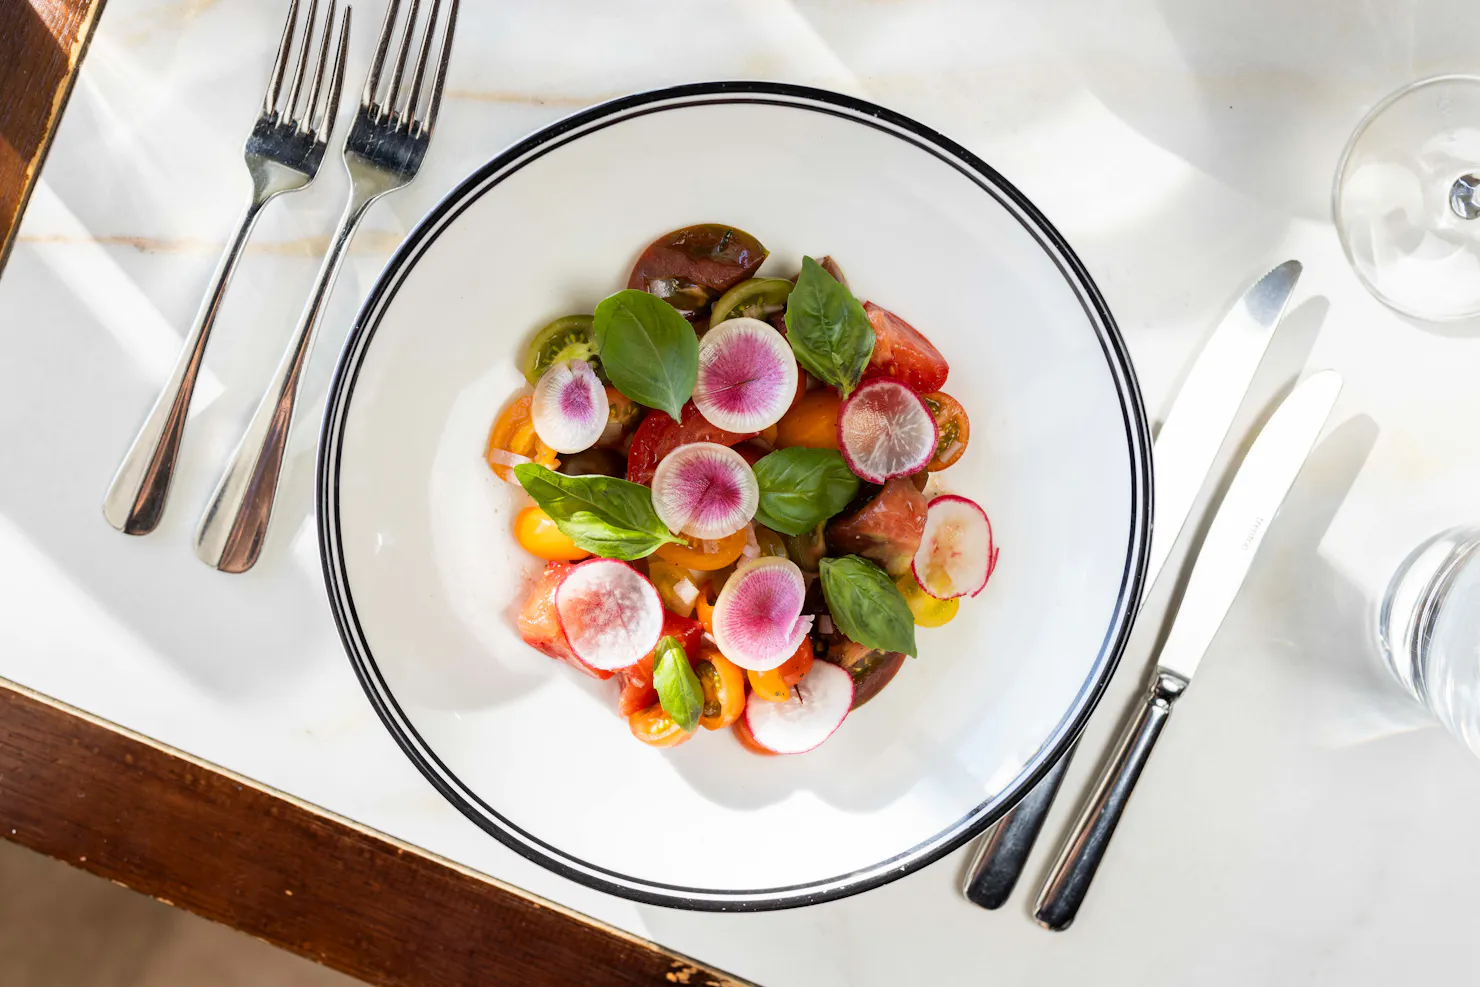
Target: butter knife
{"type": "Point", "coordinates": [1238, 529]}
{"type": "Point", "coordinates": [1183, 454]}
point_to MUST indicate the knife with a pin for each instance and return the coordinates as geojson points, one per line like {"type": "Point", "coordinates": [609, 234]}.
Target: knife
{"type": "Point", "coordinates": [1239, 527]}
{"type": "Point", "coordinates": [1183, 454]}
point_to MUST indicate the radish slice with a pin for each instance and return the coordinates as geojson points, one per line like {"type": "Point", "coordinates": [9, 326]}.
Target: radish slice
{"type": "Point", "coordinates": [818, 706]}
{"type": "Point", "coordinates": [569, 408]}
{"type": "Point", "coordinates": [610, 613]}
{"type": "Point", "coordinates": [758, 621]}
{"type": "Point", "coordinates": [747, 375]}
{"type": "Point", "coordinates": [956, 554]}
{"type": "Point", "coordinates": [705, 490]}
{"type": "Point", "coordinates": [885, 431]}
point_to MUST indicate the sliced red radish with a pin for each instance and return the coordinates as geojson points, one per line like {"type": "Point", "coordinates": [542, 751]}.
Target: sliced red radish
{"type": "Point", "coordinates": [818, 705]}
{"type": "Point", "coordinates": [758, 621]}
{"type": "Point", "coordinates": [747, 375]}
{"type": "Point", "coordinates": [610, 613]}
{"type": "Point", "coordinates": [705, 490]}
{"type": "Point", "coordinates": [885, 431]}
{"type": "Point", "coordinates": [956, 554]}
{"type": "Point", "coordinates": [569, 408]}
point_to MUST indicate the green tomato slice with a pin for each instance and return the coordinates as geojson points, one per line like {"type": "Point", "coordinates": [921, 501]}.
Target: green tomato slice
{"type": "Point", "coordinates": [758, 298]}
{"type": "Point", "coordinates": [569, 337]}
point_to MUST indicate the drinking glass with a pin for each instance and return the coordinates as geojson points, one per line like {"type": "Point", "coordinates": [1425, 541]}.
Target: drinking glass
{"type": "Point", "coordinates": [1407, 198]}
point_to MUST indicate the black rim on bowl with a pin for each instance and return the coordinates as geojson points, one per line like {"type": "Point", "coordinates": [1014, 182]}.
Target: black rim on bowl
{"type": "Point", "coordinates": [531, 149]}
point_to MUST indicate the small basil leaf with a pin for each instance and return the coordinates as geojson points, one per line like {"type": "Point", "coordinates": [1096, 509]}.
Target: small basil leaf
{"type": "Point", "coordinates": [604, 515]}
{"type": "Point", "coordinates": [648, 350]}
{"type": "Point", "coordinates": [678, 687]}
{"type": "Point", "coordinates": [801, 488]}
{"type": "Point", "coordinates": [866, 605]}
{"type": "Point", "coordinates": [828, 329]}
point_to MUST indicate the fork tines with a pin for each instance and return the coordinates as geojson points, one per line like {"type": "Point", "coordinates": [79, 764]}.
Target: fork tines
{"type": "Point", "coordinates": [316, 115]}
{"type": "Point", "coordinates": [412, 108]}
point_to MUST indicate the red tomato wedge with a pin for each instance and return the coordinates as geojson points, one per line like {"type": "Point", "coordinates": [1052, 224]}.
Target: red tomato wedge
{"type": "Point", "coordinates": [539, 621]}
{"type": "Point", "coordinates": [638, 692]}
{"type": "Point", "coordinates": [901, 352]}
{"type": "Point", "coordinates": [658, 435]}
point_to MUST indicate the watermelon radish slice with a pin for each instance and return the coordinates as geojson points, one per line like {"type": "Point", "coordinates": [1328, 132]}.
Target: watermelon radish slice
{"type": "Point", "coordinates": [819, 704]}
{"type": "Point", "coordinates": [956, 554]}
{"type": "Point", "coordinates": [705, 490]}
{"type": "Point", "coordinates": [885, 430]}
{"type": "Point", "coordinates": [747, 375]}
{"type": "Point", "coordinates": [758, 621]}
{"type": "Point", "coordinates": [610, 613]}
{"type": "Point", "coordinates": [569, 408]}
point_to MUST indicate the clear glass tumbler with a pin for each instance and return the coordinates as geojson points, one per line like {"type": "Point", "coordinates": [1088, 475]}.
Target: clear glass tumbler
{"type": "Point", "coordinates": [1429, 629]}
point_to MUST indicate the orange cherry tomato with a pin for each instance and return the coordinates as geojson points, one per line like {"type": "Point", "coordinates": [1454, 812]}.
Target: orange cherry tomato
{"type": "Point", "coordinates": [705, 555]}
{"type": "Point", "coordinates": [514, 433]}
{"type": "Point", "coordinates": [704, 607]}
{"type": "Point", "coordinates": [623, 415]}
{"type": "Point", "coordinates": [656, 728]}
{"type": "Point", "coordinates": [747, 739]}
{"type": "Point", "coordinates": [812, 422]}
{"type": "Point", "coordinates": [536, 531]}
{"type": "Point", "coordinates": [775, 684]}
{"type": "Point", "coordinates": [768, 685]}
{"type": "Point", "coordinates": [954, 427]}
{"type": "Point", "coordinates": [795, 668]}
{"type": "Point", "coordinates": [723, 686]}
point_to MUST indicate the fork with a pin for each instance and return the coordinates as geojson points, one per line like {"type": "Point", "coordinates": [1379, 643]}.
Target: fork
{"type": "Point", "coordinates": [283, 153]}
{"type": "Point", "coordinates": [383, 152]}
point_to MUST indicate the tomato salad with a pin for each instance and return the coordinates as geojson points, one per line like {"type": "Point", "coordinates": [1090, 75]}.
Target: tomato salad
{"type": "Point", "coordinates": [729, 475]}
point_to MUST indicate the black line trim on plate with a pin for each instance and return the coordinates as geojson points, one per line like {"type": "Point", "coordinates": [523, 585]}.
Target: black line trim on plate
{"type": "Point", "coordinates": [531, 149]}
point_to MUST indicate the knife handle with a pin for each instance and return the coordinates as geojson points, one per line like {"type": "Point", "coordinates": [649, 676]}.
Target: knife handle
{"type": "Point", "coordinates": [1080, 857]}
{"type": "Point", "coordinates": [1003, 852]}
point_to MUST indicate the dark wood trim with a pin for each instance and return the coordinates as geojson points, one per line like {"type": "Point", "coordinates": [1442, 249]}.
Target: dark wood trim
{"type": "Point", "coordinates": [41, 47]}
{"type": "Point", "coordinates": [193, 835]}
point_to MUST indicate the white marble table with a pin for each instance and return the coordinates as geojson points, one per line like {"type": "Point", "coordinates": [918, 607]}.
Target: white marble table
{"type": "Point", "coordinates": [1301, 822]}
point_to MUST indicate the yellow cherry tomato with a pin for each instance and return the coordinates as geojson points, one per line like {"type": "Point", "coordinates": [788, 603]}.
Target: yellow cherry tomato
{"type": "Point", "coordinates": [723, 685]}
{"type": "Point", "coordinates": [705, 555]}
{"type": "Point", "coordinates": [928, 611]}
{"type": "Point", "coordinates": [768, 685]}
{"type": "Point", "coordinates": [514, 433]}
{"type": "Point", "coordinates": [536, 531]}
{"type": "Point", "coordinates": [666, 579]}
{"type": "Point", "coordinates": [812, 422]}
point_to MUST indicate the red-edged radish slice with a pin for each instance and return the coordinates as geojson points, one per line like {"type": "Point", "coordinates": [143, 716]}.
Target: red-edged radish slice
{"type": "Point", "coordinates": [747, 375]}
{"type": "Point", "coordinates": [956, 554]}
{"type": "Point", "coordinates": [885, 431]}
{"type": "Point", "coordinates": [758, 621]}
{"type": "Point", "coordinates": [818, 705]}
{"type": "Point", "coordinates": [705, 490]}
{"type": "Point", "coordinates": [610, 613]}
{"type": "Point", "coordinates": [569, 408]}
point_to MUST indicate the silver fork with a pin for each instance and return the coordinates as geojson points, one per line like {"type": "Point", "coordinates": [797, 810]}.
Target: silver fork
{"type": "Point", "coordinates": [283, 153]}
{"type": "Point", "coordinates": [382, 153]}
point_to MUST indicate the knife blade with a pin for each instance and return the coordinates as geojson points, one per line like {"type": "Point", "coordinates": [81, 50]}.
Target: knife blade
{"type": "Point", "coordinates": [1238, 529]}
{"type": "Point", "coordinates": [1183, 453]}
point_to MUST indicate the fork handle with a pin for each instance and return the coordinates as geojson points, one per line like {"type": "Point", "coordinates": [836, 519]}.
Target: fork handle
{"type": "Point", "coordinates": [136, 497]}
{"type": "Point", "coordinates": [234, 525]}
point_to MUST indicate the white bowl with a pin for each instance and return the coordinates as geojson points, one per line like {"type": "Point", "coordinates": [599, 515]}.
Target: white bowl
{"type": "Point", "coordinates": [425, 578]}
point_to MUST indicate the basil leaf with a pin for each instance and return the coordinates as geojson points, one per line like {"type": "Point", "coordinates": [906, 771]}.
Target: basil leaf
{"type": "Point", "coordinates": [828, 330]}
{"type": "Point", "coordinates": [649, 351]}
{"type": "Point", "coordinates": [604, 515]}
{"type": "Point", "coordinates": [801, 488]}
{"type": "Point", "coordinates": [678, 687]}
{"type": "Point", "coordinates": [866, 605]}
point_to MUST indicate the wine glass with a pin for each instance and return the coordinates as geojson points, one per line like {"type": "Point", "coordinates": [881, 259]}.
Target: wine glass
{"type": "Point", "coordinates": [1406, 200]}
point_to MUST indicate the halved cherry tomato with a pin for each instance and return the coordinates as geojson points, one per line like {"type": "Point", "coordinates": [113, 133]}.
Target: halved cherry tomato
{"type": "Point", "coordinates": [659, 434]}
{"type": "Point", "coordinates": [513, 432]}
{"type": "Point", "coordinates": [691, 267]}
{"type": "Point", "coordinates": [812, 421]}
{"type": "Point", "coordinates": [637, 679]}
{"type": "Point", "coordinates": [539, 622]}
{"type": "Point", "coordinates": [622, 417]}
{"type": "Point", "coordinates": [927, 610]}
{"type": "Point", "coordinates": [536, 531]}
{"type": "Point", "coordinates": [666, 579]}
{"type": "Point", "coordinates": [704, 554]}
{"type": "Point", "coordinates": [724, 688]}
{"type": "Point", "coordinates": [747, 739]}
{"type": "Point", "coordinates": [776, 683]}
{"type": "Point", "coordinates": [954, 428]}
{"type": "Point", "coordinates": [704, 607]}
{"type": "Point", "coordinates": [654, 727]}
{"type": "Point", "coordinates": [901, 352]}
